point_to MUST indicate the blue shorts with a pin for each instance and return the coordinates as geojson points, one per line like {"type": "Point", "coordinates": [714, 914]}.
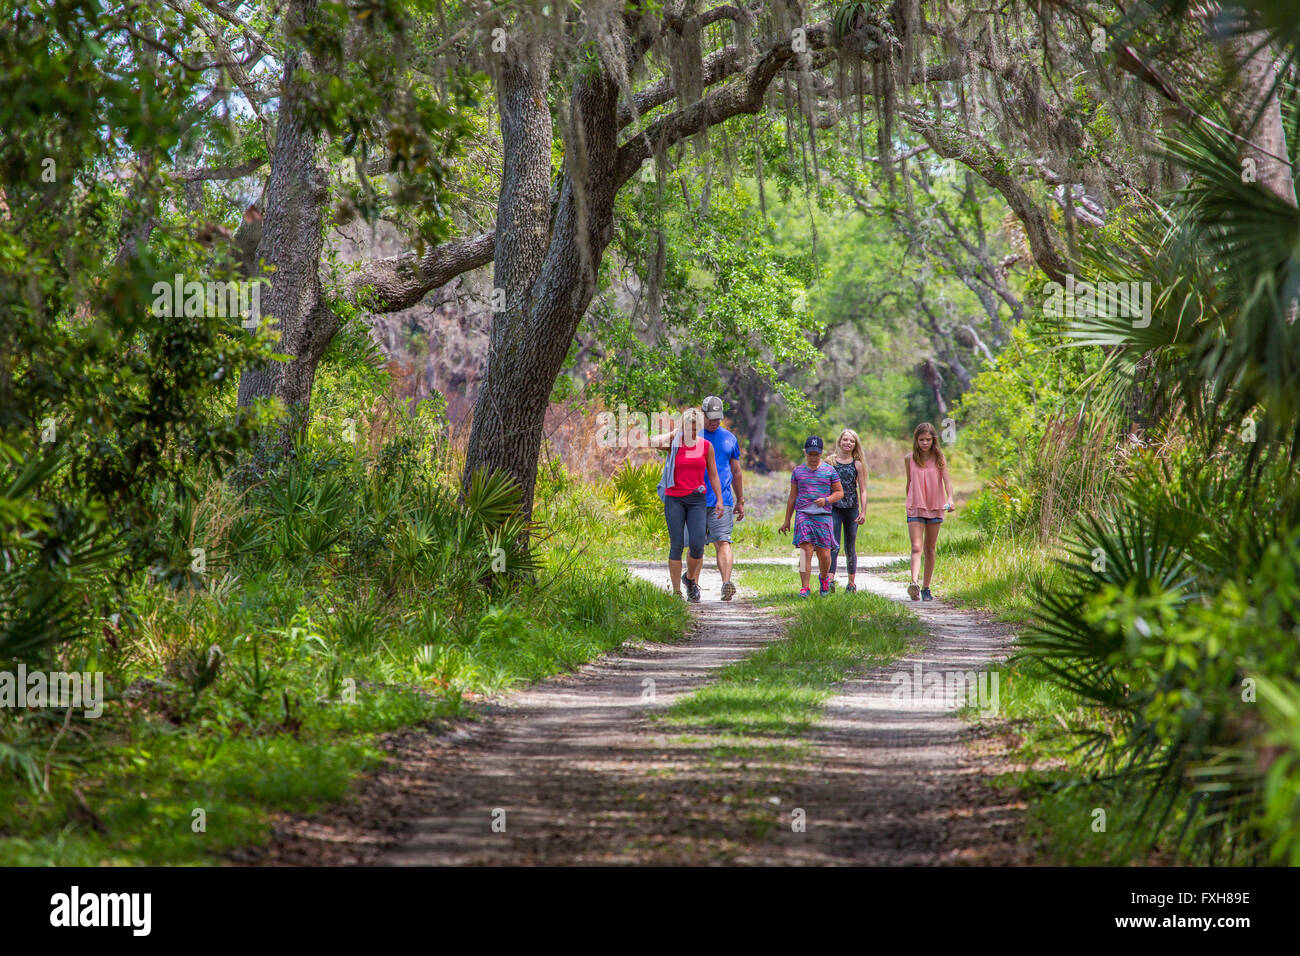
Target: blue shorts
{"type": "Point", "coordinates": [927, 520]}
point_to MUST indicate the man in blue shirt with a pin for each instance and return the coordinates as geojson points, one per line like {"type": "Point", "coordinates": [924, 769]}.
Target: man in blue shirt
{"type": "Point", "coordinates": [726, 452]}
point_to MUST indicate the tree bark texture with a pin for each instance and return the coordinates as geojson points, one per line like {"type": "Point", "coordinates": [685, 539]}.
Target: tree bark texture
{"type": "Point", "coordinates": [547, 276]}
{"type": "Point", "coordinates": [291, 242]}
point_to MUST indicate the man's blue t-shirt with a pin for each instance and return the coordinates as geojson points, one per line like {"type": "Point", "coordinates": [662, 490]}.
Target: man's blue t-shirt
{"type": "Point", "coordinates": [725, 448]}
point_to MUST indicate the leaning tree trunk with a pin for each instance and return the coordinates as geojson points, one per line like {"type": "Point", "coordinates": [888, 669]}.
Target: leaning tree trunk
{"type": "Point", "coordinates": [291, 241]}
{"type": "Point", "coordinates": [544, 298]}
{"type": "Point", "coordinates": [1258, 113]}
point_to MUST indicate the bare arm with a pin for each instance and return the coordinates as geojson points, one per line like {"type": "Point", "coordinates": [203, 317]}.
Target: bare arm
{"type": "Point", "coordinates": [789, 505]}
{"type": "Point", "coordinates": [836, 494]}
{"type": "Point", "coordinates": [862, 492]}
{"type": "Point", "coordinates": [738, 486]}
{"type": "Point", "coordinates": [907, 471]}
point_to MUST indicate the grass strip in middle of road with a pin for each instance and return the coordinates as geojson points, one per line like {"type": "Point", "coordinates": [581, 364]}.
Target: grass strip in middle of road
{"type": "Point", "coordinates": [780, 690]}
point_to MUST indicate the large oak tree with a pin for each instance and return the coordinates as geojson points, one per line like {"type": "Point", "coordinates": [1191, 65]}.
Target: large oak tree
{"type": "Point", "coordinates": [1035, 100]}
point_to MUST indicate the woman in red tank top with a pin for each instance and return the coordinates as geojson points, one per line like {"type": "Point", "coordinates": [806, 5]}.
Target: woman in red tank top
{"type": "Point", "coordinates": [684, 502]}
{"type": "Point", "coordinates": [690, 466]}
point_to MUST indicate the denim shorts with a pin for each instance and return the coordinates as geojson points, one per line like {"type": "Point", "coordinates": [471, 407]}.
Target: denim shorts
{"type": "Point", "coordinates": [927, 520]}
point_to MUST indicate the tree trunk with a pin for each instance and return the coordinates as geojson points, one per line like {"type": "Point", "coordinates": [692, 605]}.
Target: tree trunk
{"type": "Point", "coordinates": [748, 399]}
{"type": "Point", "coordinates": [1258, 113]}
{"type": "Point", "coordinates": [544, 300]}
{"type": "Point", "coordinates": [945, 350]}
{"type": "Point", "coordinates": [291, 242]}
{"type": "Point", "coordinates": [932, 377]}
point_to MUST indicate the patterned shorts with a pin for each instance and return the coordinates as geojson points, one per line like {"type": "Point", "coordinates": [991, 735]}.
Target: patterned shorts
{"type": "Point", "coordinates": [815, 529]}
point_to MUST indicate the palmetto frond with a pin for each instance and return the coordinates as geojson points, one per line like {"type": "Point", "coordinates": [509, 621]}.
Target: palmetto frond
{"type": "Point", "coordinates": [492, 497]}
{"type": "Point", "coordinates": [1224, 280]}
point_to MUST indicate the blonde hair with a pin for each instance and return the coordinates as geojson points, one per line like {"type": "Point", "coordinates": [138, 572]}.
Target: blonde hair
{"type": "Point", "coordinates": [935, 450]}
{"type": "Point", "coordinates": [692, 416]}
{"type": "Point", "coordinates": [857, 446]}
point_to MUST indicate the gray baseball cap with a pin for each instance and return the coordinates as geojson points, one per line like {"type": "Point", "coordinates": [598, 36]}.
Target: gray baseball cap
{"type": "Point", "coordinates": [713, 407]}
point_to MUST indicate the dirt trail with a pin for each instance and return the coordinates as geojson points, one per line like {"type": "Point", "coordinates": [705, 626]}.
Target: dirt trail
{"type": "Point", "coordinates": [895, 782]}
{"type": "Point", "coordinates": [584, 776]}
{"type": "Point", "coordinates": [570, 760]}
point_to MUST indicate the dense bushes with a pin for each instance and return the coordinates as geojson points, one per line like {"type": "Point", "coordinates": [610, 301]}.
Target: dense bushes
{"type": "Point", "coordinates": [105, 405]}
{"type": "Point", "coordinates": [298, 605]}
{"type": "Point", "coordinates": [1176, 615]}
{"type": "Point", "coordinates": [1178, 604]}
{"type": "Point", "coordinates": [1023, 423]}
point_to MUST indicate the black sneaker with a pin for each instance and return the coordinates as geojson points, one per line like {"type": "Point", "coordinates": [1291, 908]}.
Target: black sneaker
{"type": "Point", "coordinates": [926, 595]}
{"type": "Point", "coordinates": [692, 590]}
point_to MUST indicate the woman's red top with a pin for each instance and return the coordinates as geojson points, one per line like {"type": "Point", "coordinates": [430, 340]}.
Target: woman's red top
{"type": "Point", "coordinates": [689, 468]}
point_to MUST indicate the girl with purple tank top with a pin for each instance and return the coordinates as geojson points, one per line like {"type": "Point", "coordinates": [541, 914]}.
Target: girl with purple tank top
{"type": "Point", "coordinates": [814, 488]}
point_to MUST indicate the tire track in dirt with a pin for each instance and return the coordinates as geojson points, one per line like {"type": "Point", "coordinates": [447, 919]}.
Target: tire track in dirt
{"type": "Point", "coordinates": [585, 776]}
{"type": "Point", "coordinates": [895, 781]}
{"type": "Point", "coordinates": [574, 764]}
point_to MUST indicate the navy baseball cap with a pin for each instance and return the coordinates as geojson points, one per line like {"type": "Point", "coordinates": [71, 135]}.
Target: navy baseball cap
{"type": "Point", "coordinates": [812, 444]}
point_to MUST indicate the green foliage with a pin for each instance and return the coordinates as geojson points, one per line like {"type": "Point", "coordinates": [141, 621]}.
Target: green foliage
{"type": "Point", "coordinates": [1173, 600]}
{"type": "Point", "coordinates": [849, 16]}
{"type": "Point", "coordinates": [634, 491]}
{"type": "Point", "coordinates": [105, 404]}
{"type": "Point", "coordinates": [366, 96]}
{"type": "Point", "coordinates": [881, 404]}
{"type": "Point", "coordinates": [729, 295]}
{"type": "Point", "coordinates": [312, 653]}
{"type": "Point", "coordinates": [1170, 624]}
{"type": "Point", "coordinates": [997, 508]}
{"type": "Point", "coordinates": [1024, 423]}
{"type": "Point", "coordinates": [1223, 345]}
{"type": "Point", "coordinates": [1280, 798]}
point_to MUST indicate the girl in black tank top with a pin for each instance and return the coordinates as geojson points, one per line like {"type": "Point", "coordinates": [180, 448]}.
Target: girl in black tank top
{"type": "Point", "coordinates": [846, 514]}
{"type": "Point", "coordinates": [849, 481]}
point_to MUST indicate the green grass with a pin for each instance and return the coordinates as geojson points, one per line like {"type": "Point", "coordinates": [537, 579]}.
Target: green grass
{"type": "Point", "coordinates": [751, 725]}
{"type": "Point", "coordinates": [997, 576]}
{"type": "Point", "coordinates": [290, 728]}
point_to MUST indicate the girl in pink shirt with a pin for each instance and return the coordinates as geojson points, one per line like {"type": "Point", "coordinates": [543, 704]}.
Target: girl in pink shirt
{"type": "Point", "coordinates": [929, 496]}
